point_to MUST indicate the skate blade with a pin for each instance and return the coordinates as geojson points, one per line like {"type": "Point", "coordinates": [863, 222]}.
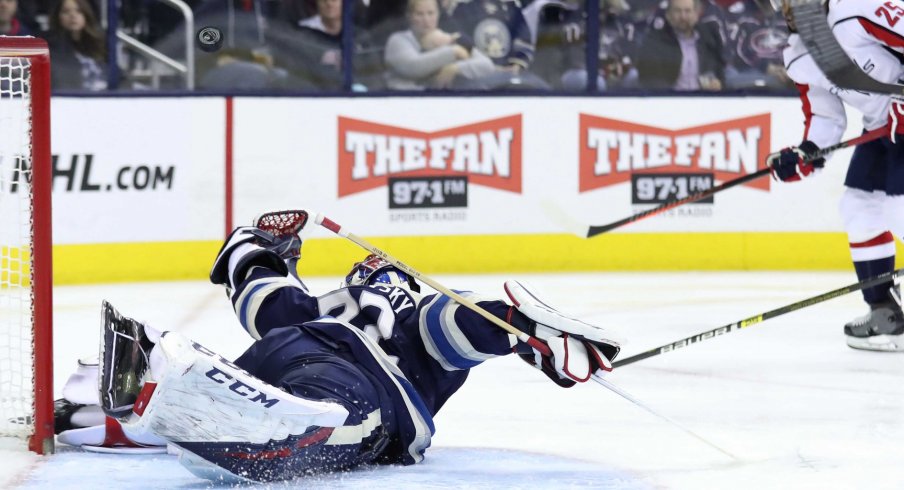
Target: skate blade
{"type": "Point", "coordinates": [880, 343]}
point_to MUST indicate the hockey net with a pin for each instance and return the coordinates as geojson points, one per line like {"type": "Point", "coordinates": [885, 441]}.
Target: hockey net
{"type": "Point", "coordinates": [26, 384]}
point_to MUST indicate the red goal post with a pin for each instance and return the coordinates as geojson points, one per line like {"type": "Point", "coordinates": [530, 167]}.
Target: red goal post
{"type": "Point", "coordinates": [26, 278]}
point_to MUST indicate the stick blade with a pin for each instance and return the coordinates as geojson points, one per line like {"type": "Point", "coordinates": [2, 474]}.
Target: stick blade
{"type": "Point", "coordinates": [565, 221]}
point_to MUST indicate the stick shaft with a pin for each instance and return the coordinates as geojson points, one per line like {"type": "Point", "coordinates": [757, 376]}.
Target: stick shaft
{"type": "Point", "coordinates": [747, 322]}
{"type": "Point", "coordinates": [593, 231]}
{"type": "Point", "coordinates": [627, 396]}
{"type": "Point", "coordinates": [337, 229]}
{"type": "Point", "coordinates": [597, 230]}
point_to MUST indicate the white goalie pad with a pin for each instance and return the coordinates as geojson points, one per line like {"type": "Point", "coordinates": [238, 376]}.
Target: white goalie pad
{"type": "Point", "coordinates": [202, 397]}
{"type": "Point", "coordinates": [545, 315]}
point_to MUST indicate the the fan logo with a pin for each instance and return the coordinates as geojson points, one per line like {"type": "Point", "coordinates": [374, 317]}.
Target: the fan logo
{"type": "Point", "coordinates": [613, 150]}
{"type": "Point", "coordinates": [487, 153]}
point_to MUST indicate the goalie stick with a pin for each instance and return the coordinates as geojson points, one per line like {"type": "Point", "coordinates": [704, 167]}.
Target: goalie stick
{"type": "Point", "coordinates": [809, 17]}
{"type": "Point", "coordinates": [585, 231]}
{"type": "Point", "coordinates": [747, 322]}
{"type": "Point", "coordinates": [331, 225]}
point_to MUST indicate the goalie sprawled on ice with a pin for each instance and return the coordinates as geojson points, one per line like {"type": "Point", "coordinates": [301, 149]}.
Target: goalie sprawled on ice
{"type": "Point", "coordinates": [350, 377]}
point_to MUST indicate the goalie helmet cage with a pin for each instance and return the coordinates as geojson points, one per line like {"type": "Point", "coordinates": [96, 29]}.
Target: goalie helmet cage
{"type": "Point", "coordinates": [26, 288]}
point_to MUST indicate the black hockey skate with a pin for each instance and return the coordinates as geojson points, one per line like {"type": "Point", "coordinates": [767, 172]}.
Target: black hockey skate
{"type": "Point", "coordinates": [124, 361]}
{"type": "Point", "coordinates": [882, 329]}
{"type": "Point", "coordinates": [63, 410]}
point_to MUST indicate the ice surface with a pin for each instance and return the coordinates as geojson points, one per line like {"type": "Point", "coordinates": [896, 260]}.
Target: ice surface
{"type": "Point", "coordinates": [795, 405]}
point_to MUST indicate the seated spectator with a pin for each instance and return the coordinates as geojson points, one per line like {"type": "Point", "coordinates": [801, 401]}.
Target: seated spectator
{"type": "Point", "coordinates": [379, 18]}
{"type": "Point", "coordinates": [711, 15]}
{"type": "Point", "coordinates": [10, 25]}
{"type": "Point", "coordinates": [496, 27]}
{"type": "Point", "coordinates": [560, 41]}
{"type": "Point", "coordinates": [757, 44]}
{"type": "Point", "coordinates": [234, 71]}
{"type": "Point", "coordinates": [616, 37]}
{"type": "Point", "coordinates": [500, 30]}
{"type": "Point", "coordinates": [328, 18]}
{"type": "Point", "coordinates": [681, 54]}
{"type": "Point", "coordinates": [426, 57]}
{"type": "Point", "coordinates": [558, 34]}
{"type": "Point", "coordinates": [312, 51]}
{"type": "Point", "coordinates": [77, 47]}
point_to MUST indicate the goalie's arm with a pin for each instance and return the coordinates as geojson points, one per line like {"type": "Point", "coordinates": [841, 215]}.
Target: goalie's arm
{"type": "Point", "coordinates": [267, 299]}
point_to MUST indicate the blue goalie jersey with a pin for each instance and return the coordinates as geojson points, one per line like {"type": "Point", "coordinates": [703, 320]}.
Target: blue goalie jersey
{"type": "Point", "coordinates": [413, 352]}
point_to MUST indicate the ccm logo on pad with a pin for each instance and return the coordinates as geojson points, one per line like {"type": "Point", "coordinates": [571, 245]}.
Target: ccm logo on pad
{"type": "Point", "coordinates": [220, 376]}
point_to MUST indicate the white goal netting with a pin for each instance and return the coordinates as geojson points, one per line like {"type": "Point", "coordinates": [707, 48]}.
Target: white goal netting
{"type": "Point", "coordinates": [16, 295]}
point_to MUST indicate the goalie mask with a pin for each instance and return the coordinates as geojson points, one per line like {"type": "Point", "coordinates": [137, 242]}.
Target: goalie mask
{"type": "Point", "coordinates": [376, 270]}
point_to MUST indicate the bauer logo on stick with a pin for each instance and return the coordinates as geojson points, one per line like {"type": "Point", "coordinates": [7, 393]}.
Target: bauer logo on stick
{"type": "Point", "coordinates": [210, 39]}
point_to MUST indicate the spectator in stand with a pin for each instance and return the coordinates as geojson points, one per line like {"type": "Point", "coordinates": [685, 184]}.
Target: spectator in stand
{"type": "Point", "coordinates": [496, 27]}
{"type": "Point", "coordinates": [712, 15]}
{"type": "Point", "coordinates": [328, 18]}
{"type": "Point", "coordinates": [10, 25]}
{"type": "Point", "coordinates": [425, 56]}
{"type": "Point", "coordinates": [77, 47]}
{"type": "Point", "coordinates": [499, 29]}
{"type": "Point", "coordinates": [757, 44]}
{"type": "Point", "coordinates": [237, 69]}
{"type": "Point", "coordinates": [560, 40]}
{"type": "Point", "coordinates": [615, 49]}
{"type": "Point", "coordinates": [312, 51]}
{"type": "Point", "coordinates": [682, 54]}
{"type": "Point", "coordinates": [558, 34]}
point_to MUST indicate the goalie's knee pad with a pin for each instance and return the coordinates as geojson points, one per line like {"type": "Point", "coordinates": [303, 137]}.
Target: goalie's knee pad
{"type": "Point", "coordinates": [225, 419]}
{"type": "Point", "coordinates": [201, 396]}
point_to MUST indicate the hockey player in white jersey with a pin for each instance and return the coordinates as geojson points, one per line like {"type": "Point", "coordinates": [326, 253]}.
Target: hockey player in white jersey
{"type": "Point", "coordinates": [872, 206]}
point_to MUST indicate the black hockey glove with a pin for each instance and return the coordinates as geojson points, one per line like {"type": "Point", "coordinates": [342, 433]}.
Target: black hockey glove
{"type": "Point", "coordinates": [792, 165]}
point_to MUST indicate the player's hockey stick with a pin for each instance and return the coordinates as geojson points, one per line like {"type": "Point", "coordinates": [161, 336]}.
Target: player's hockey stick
{"type": "Point", "coordinates": [594, 230]}
{"type": "Point", "coordinates": [809, 17]}
{"type": "Point", "coordinates": [747, 322]}
{"type": "Point", "coordinates": [331, 225]}
{"type": "Point", "coordinates": [627, 396]}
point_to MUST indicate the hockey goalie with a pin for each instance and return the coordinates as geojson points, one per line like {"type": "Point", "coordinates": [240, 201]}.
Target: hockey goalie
{"type": "Point", "coordinates": [350, 377]}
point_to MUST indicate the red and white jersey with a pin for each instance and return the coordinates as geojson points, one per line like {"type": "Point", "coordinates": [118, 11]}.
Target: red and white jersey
{"type": "Point", "coordinates": [871, 32]}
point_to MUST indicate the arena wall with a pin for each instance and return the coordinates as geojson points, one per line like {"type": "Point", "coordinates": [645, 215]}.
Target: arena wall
{"type": "Point", "coordinates": [146, 188]}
